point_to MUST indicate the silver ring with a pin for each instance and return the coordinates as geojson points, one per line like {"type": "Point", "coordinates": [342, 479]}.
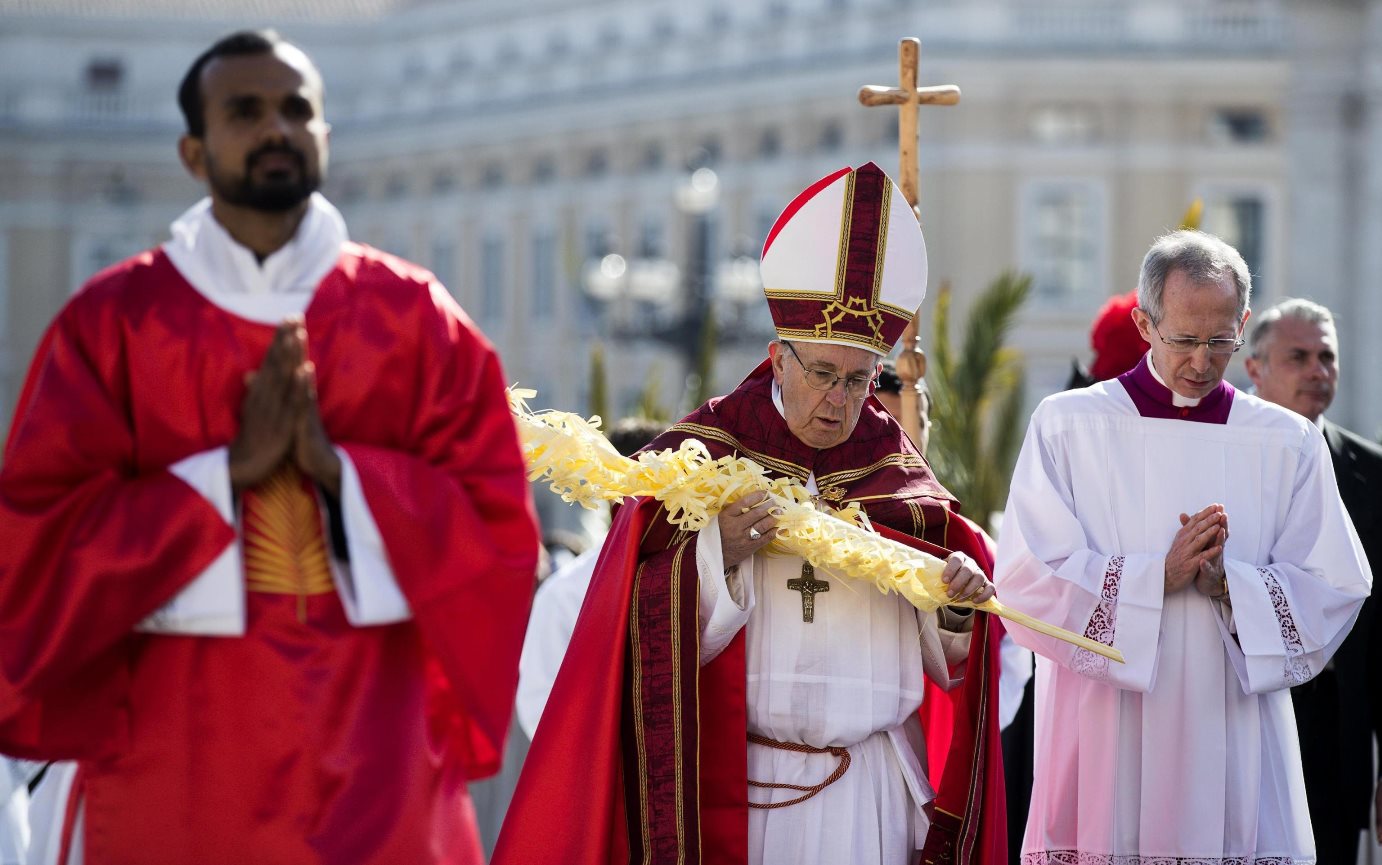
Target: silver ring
{"type": "Point", "coordinates": [754, 534]}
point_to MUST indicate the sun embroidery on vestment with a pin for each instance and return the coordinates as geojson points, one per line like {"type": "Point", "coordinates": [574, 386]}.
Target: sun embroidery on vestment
{"type": "Point", "coordinates": [285, 552]}
{"type": "Point", "coordinates": [1296, 670]}
{"type": "Point", "coordinates": [1101, 623]}
{"type": "Point", "coordinates": [858, 307]}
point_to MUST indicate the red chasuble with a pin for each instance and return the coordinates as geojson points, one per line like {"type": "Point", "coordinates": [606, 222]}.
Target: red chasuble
{"type": "Point", "coordinates": [641, 753]}
{"type": "Point", "coordinates": [306, 740]}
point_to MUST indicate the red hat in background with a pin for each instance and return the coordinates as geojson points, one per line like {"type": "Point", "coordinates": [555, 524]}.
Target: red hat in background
{"type": "Point", "coordinates": [1117, 344]}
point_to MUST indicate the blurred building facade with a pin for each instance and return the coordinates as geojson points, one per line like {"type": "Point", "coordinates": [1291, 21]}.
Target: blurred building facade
{"type": "Point", "coordinates": [514, 146]}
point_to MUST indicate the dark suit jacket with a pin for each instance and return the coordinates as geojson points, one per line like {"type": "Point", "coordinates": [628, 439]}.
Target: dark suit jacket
{"type": "Point", "coordinates": [1339, 714]}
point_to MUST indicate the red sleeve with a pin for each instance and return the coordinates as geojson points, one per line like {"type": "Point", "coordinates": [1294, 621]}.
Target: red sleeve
{"type": "Point", "coordinates": [965, 755]}
{"type": "Point", "coordinates": [91, 545]}
{"type": "Point", "coordinates": [458, 527]}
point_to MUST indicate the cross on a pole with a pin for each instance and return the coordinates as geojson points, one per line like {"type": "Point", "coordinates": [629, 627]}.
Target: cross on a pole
{"type": "Point", "coordinates": [907, 96]}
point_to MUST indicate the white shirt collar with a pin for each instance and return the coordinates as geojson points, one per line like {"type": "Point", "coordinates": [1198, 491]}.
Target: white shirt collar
{"type": "Point", "coordinates": [1176, 399]}
{"type": "Point", "coordinates": [230, 276]}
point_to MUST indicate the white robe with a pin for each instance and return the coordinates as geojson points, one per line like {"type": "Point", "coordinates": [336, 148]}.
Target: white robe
{"type": "Point", "coordinates": [852, 677]}
{"type": "Point", "coordinates": [1188, 752]}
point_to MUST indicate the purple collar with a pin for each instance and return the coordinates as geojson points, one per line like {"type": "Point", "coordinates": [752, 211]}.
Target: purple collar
{"type": "Point", "coordinates": [1153, 399]}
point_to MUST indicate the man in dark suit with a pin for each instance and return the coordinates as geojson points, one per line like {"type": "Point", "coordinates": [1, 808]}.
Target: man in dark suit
{"type": "Point", "coordinates": [1294, 362]}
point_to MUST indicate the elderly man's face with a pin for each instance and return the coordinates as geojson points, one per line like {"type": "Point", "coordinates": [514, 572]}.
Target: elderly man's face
{"type": "Point", "coordinates": [1198, 310]}
{"type": "Point", "coordinates": [1297, 366]}
{"type": "Point", "coordinates": [821, 418]}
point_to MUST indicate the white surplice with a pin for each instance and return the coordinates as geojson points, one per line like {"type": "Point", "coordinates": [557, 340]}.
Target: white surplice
{"type": "Point", "coordinates": [1188, 752]}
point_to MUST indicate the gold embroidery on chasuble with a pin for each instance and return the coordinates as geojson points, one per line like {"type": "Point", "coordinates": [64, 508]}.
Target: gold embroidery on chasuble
{"type": "Point", "coordinates": [285, 551]}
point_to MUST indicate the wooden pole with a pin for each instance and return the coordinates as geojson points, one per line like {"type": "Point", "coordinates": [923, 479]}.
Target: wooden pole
{"type": "Point", "coordinates": [908, 97]}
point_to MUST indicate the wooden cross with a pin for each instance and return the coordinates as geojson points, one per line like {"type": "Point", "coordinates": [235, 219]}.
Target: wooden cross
{"type": "Point", "coordinates": [911, 360]}
{"type": "Point", "coordinates": [808, 585]}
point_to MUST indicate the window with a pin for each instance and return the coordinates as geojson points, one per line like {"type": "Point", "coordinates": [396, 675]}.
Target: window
{"type": "Point", "coordinates": [444, 264]}
{"type": "Point", "coordinates": [1064, 124]}
{"type": "Point", "coordinates": [599, 241]}
{"type": "Point", "coordinates": [596, 163]}
{"type": "Point", "coordinates": [653, 158]}
{"type": "Point", "coordinates": [492, 280]}
{"type": "Point", "coordinates": [104, 74]}
{"type": "Point", "coordinates": [710, 152]}
{"type": "Point", "coordinates": [544, 169]}
{"type": "Point", "coordinates": [1061, 235]}
{"type": "Point", "coordinates": [544, 297]}
{"type": "Point", "coordinates": [492, 177]}
{"type": "Point", "coordinates": [1240, 218]}
{"type": "Point", "coordinates": [769, 144]}
{"type": "Point", "coordinates": [1239, 126]}
{"type": "Point", "coordinates": [396, 186]}
{"type": "Point", "coordinates": [832, 137]}
{"type": "Point", "coordinates": [443, 182]}
{"type": "Point", "coordinates": [652, 239]}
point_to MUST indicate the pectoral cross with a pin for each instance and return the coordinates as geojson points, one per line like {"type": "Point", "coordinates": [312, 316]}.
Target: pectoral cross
{"type": "Point", "coordinates": [808, 585]}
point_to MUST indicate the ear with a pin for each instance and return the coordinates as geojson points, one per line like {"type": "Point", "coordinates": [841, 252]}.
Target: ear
{"type": "Point", "coordinates": [1144, 325]}
{"type": "Point", "coordinates": [778, 356]}
{"type": "Point", "coordinates": [1254, 368]}
{"type": "Point", "coordinates": [192, 152]}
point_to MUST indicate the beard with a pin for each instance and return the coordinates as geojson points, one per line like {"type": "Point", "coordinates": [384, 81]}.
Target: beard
{"type": "Point", "coordinates": [278, 192]}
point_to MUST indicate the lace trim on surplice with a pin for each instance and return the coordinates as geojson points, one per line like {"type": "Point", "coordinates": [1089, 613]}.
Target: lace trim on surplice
{"type": "Point", "coordinates": [1101, 624]}
{"type": "Point", "coordinates": [1296, 670]}
{"type": "Point", "coordinates": [1079, 857]}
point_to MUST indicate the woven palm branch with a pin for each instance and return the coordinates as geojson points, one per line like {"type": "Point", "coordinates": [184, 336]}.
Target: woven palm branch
{"type": "Point", "coordinates": [578, 462]}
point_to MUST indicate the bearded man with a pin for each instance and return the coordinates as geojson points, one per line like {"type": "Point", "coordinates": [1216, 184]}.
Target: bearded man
{"type": "Point", "coordinates": [247, 578]}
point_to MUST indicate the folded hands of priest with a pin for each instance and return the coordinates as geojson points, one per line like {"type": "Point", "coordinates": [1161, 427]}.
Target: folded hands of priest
{"type": "Point", "coordinates": [1197, 553]}
{"type": "Point", "coordinates": [279, 418]}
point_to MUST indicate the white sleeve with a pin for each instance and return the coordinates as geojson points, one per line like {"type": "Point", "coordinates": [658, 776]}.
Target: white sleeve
{"type": "Point", "coordinates": [366, 583]}
{"type": "Point", "coordinates": [1291, 614]}
{"type": "Point", "coordinates": [213, 603]}
{"type": "Point", "coordinates": [556, 608]}
{"type": "Point", "coordinates": [1015, 671]}
{"type": "Point", "coordinates": [726, 599]}
{"type": "Point", "coordinates": [1047, 568]}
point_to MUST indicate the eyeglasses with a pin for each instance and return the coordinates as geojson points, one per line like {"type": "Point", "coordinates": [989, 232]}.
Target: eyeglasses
{"type": "Point", "coordinates": [823, 379]}
{"type": "Point", "coordinates": [1187, 344]}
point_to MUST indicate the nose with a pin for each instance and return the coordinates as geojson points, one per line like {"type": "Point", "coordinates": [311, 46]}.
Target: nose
{"type": "Point", "coordinates": [276, 128]}
{"type": "Point", "coordinates": [837, 395]}
{"type": "Point", "coordinates": [1199, 358]}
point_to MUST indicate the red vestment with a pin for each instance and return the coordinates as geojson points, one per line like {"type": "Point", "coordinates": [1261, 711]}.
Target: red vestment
{"type": "Point", "coordinates": [307, 739]}
{"type": "Point", "coordinates": [641, 753]}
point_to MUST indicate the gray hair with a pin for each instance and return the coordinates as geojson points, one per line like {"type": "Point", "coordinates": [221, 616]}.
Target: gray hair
{"type": "Point", "coordinates": [1203, 257]}
{"type": "Point", "coordinates": [1295, 308]}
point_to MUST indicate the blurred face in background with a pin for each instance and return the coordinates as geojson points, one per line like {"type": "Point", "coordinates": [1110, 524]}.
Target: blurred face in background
{"type": "Point", "coordinates": [1297, 366]}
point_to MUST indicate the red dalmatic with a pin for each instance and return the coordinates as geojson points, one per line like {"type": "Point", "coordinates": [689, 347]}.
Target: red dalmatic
{"type": "Point", "coordinates": [306, 739]}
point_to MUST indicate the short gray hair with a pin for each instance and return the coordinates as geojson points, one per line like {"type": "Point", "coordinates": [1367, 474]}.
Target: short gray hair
{"type": "Point", "coordinates": [1295, 308]}
{"type": "Point", "coordinates": [1203, 257]}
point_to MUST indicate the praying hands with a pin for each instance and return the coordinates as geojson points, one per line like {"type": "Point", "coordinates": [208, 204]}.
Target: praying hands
{"type": "Point", "coordinates": [1197, 553]}
{"type": "Point", "coordinates": [279, 418]}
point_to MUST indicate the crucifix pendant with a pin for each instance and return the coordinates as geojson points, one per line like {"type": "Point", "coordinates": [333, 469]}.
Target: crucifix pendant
{"type": "Point", "coordinates": [808, 585]}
